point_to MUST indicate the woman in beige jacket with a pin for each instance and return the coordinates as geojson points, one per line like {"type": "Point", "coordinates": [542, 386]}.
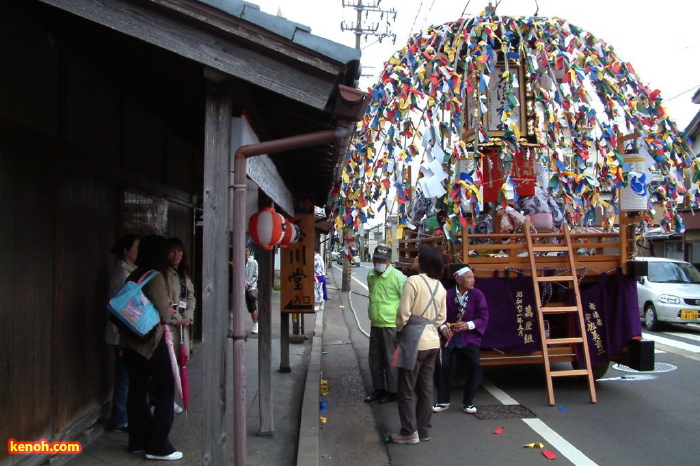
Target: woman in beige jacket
{"type": "Point", "coordinates": [181, 291]}
{"type": "Point", "coordinates": [421, 309]}
{"type": "Point", "coordinates": [148, 362]}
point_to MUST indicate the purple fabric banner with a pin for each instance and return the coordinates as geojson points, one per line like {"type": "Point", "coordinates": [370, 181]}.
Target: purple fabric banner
{"type": "Point", "coordinates": [610, 313]}
{"type": "Point", "coordinates": [512, 322]}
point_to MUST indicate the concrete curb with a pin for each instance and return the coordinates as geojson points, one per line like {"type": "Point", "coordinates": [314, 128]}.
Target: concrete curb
{"type": "Point", "coordinates": [308, 453]}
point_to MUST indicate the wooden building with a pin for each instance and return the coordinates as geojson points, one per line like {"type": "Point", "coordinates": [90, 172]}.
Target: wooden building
{"type": "Point", "coordinates": [115, 116]}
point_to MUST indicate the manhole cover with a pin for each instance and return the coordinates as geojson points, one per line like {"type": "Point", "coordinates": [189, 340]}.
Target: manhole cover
{"type": "Point", "coordinates": [503, 412]}
{"type": "Point", "coordinates": [658, 367]}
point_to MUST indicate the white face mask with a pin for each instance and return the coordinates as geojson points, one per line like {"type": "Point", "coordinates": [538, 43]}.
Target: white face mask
{"type": "Point", "coordinates": [380, 268]}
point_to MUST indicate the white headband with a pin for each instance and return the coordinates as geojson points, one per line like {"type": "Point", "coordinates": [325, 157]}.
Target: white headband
{"type": "Point", "coordinates": [462, 271]}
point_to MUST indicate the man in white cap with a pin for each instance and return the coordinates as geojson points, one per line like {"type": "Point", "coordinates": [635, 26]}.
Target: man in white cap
{"type": "Point", "coordinates": [467, 317]}
{"type": "Point", "coordinates": [385, 284]}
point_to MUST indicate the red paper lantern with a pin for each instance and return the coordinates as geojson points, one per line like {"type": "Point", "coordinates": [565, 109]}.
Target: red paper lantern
{"type": "Point", "coordinates": [266, 228]}
{"type": "Point", "coordinates": [288, 234]}
{"type": "Point", "coordinates": [292, 234]}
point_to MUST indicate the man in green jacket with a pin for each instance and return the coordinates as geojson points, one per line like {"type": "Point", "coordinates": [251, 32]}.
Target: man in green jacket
{"type": "Point", "coordinates": [385, 284]}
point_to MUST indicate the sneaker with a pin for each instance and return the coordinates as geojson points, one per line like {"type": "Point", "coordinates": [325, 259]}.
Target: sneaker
{"type": "Point", "coordinates": [177, 409]}
{"type": "Point", "coordinates": [174, 456]}
{"type": "Point", "coordinates": [122, 429]}
{"type": "Point", "coordinates": [440, 407]}
{"type": "Point", "coordinates": [471, 409]}
{"type": "Point", "coordinates": [411, 439]}
{"type": "Point", "coordinates": [255, 328]}
{"type": "Point", "coordinates": [424, 438]}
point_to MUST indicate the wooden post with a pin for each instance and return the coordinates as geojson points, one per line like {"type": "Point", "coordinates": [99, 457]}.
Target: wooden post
{"type": "Point", "coordinates": [346, 282]}
{"type": "Point", "coordinates": [284, 342]}
{"type": "Point", "coordinates": [265, 279]}
{"type": "Point", "coordinates": [215, 269]}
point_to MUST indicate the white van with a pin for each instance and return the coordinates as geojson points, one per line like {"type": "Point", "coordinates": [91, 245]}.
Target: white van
{"type": "Point", "coordinates": [670, 292]}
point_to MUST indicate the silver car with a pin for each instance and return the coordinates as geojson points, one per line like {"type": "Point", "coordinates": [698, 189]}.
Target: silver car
{"type": "Point", "coordinates": [670, 292]}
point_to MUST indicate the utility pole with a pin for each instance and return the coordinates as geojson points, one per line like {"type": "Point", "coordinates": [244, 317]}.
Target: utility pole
{"type": "Point", "coordinates": [371, 29]}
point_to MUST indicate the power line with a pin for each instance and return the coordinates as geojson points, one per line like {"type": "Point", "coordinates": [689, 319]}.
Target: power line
{"type": "Point", "coordinates": [682, 93]}
{"type": "Point", "coordinates": [415, 18]}
{"type": "Point", "coordinates": [360, 29]}
{"type": "Point", "coordinates": [465, 8]}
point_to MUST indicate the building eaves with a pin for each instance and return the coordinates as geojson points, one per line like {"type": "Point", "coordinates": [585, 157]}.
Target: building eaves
{"type": "Point", "coordinates": [693, 128]}
{"type": "Point", "coordinates": [660, 233]}
{"type": "Point", "coordinates": [294, 32]}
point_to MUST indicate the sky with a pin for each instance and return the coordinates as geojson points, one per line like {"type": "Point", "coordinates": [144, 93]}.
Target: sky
{"type": "Point", "coordinates": [659, 38]}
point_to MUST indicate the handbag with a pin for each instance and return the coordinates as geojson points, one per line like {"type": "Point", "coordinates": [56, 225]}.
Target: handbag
{"type": "Point", "coordinates": [252, 293]}
{"type": "Point", "coordinates": [132, 310]}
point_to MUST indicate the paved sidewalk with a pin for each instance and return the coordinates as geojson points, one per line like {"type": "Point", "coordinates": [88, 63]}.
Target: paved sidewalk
{"type": "Point", "coordinates": [351, 434]}
{"type": "Point", "coordinates": [103, 447]}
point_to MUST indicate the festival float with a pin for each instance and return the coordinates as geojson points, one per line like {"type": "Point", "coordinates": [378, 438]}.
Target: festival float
{"type": "Point", "coordinates": [527, 149]}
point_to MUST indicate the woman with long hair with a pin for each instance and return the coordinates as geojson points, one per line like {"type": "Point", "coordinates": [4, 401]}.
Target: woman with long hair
{"type": "Point", "coordinates": [148, 362]}
{"type": "Point", "coordinates": [182, 297]}
{"type": "Point", "coordinates": [421, 309]}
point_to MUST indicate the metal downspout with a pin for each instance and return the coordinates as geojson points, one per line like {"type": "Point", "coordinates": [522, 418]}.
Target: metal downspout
{"type": "Point", "coordinates": [238, 275]}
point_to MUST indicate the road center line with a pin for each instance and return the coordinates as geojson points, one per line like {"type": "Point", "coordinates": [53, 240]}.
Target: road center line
{"type": "Point", "coordinates": [497, 393]}
{"type": "Point", "coordinates": [571, 453]}
{"type": "Point", "coordinates": [689, 336]}
{"type": "Point", "coordinates": [353, 277]}
{"type": "Point", "coordinates": [672, 343]}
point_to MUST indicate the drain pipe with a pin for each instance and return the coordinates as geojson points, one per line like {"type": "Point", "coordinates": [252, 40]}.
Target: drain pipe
{"type": "Point", "coordinates": [238, 275]}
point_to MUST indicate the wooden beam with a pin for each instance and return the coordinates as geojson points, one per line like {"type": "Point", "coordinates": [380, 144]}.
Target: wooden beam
{"type": "Point", "coordinates": [264, 172]}
{"type": "Point", "coordinates": [261, 169]}
{"type": "Point", "coordinates": [211, 48]}
{"type": "Point", "coordinates": [232, 26]}
{"type": "Point", "coordinates": [218, 436]}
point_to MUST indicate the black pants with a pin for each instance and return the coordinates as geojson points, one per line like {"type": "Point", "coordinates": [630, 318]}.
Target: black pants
{"type": "Point", "coordinates": [251, 302]}
{"type": "Point", "coordinates": [150, 432]}
{"type": "Point", "coordinates": [472, 369]}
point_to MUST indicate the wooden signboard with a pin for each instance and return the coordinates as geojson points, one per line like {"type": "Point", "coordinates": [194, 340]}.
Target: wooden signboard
{"type": "Point", "coordinates": [297, 267]}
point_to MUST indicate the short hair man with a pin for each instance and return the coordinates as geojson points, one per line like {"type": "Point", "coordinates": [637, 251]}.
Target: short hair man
{"type": "Point", "coordinates": [251, 288]}
{"type": "Point", "coordinates": [467, 317]}
{"type": "Point", "coordinates": [385, 284]}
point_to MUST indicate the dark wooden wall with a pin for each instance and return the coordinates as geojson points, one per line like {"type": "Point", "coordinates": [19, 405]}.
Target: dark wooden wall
{"type": "Point", "coordinates": [80, 125]}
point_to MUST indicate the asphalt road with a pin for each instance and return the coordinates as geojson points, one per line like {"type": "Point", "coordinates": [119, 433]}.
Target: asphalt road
{"type": "Point", "coordinates": [640, 417]}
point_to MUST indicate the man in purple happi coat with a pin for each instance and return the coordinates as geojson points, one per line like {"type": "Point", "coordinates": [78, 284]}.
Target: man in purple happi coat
{"type": "Point", "coordinates": [467, 317]}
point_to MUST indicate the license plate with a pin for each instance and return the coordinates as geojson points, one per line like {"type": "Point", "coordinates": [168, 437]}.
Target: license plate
{"type": "Point", "coordinates": [689, 315]}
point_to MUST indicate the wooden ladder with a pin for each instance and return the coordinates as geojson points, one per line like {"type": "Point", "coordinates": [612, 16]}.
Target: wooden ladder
{"type": "Point", "coordinates": [534, 249]}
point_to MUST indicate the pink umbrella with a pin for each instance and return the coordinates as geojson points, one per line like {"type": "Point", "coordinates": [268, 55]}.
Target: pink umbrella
{"type": "Point", "coordinates": [183, 357]}
{"type": "Point", "coordinates": [173, 360]}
